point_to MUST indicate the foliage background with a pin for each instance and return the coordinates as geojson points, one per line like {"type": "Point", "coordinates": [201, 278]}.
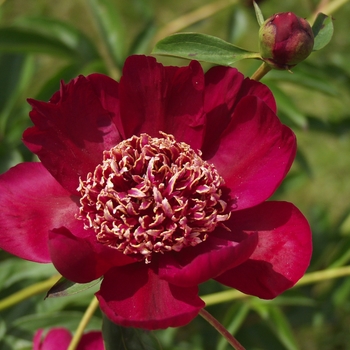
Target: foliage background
{"type": "Point", "coordinates": [42, 42]}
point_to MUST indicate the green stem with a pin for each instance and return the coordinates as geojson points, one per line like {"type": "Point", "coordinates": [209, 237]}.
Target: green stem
{"type": "Point", "coordinates": [312, 277]}
{"type": "Point", "coordinates": [261, 71]}
{"type": "Point", "coordinates": [83, 323]}
{"type": "Point", "coordinates": [192, 17]}
{"type": "Point", "coordinates": [332, 6]}
{"type": "Point", "coordinates": [221, 329]}
{"type": "Point", "coordinates": [28, 292]}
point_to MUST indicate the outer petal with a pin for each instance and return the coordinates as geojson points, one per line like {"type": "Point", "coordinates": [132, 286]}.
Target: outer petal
{"type": "Point", "coordinates": [91, 341]}
{"type": "Point", "coordinates": [71, 131]}
{"type": "Point", "coordinates": [107, 91]}
{"type": "Point", "coordinates": [31, 203]}
{"type": "Point", "coordinates": [134, 296]}
{"type": "Point", "coordinates": [55, 339]}
{"type": "Point", "coordinates": [254, 153]}
{"type": "Point", "coordinates": [207, 260]}
{"type": "Point", "coordinates": [283, 252]}
{"type": "Point", "coordinates": [80, 258]}
{"type": "Point", "coordinates": [155, 98]}
{"type": "Point", "coordinates": [224, 88]}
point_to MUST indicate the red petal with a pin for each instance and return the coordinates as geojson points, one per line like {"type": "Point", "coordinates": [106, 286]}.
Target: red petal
{"type": "Point", "coordinates": [91, 341]}
{"type": "Point", "coordinates": [31, 203]}
{"type": "Point", "coordinates": [155, 98]}
{"type": "Point", "coordinates": [72, 131]}
{"type": "Point", "coordinates": [195, 265]}
{"type": "Point", "coordinates": [224, 89]}
{"type": "Point", "coordinates": [254, 154]}
{"type": "Point", "coordinates": [79, 257]}
{"type": "Point", "coordinates": [55, 339]}
{"type": "Point", "coordinates": [135, 296]}
{"type": "Point", "coordinates": [283, 252]}
{"type": "Point", "coordinates": [107, 91]}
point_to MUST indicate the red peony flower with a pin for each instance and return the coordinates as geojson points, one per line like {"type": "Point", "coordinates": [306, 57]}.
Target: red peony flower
{"type": "Point", "coordinates": [60, 338]}
{"type": "Point", "coordinates": [158, 183]}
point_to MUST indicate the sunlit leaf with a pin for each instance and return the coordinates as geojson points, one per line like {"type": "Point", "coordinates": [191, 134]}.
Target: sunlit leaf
{"type": "Point", "coordinates": [258, 14]}
{"type": "Point", "coordinates": [201, 47]}
{"type": "Point", "coordinates": [323, 31]}
{"type": "Point", "coordinates": [65, 287]}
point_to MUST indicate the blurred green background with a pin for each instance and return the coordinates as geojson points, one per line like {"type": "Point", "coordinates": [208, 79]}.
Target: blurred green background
{"type": "Point", "coordinates": [43, 42]}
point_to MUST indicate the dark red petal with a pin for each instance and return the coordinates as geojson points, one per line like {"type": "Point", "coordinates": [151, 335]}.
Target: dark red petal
{"type": "Point", "coordinates": [224, 88]}
{"type": "Point", "coordinates": [72, 131]}
{"type": "Point", "coordinates": [31, 203]}
{"type": "Point", "coordinates": [135, 296]}
{"type": "Point", "coordinates": [55, 339]}
{"type": "Point", "coordinates": [155, 98]}
{"type": "Point", "coordinates": [254, 154]}
{"type": "Point", "coordinates": [283, 252]}
{"type": "Point", "coordinates": [91, 341]}
{"type": "Point", "coordinates": [195, 265]}
{"type": "Point", "coordinates": [107, 91]}
{"type": "Point", "coordinates": [79, 257]}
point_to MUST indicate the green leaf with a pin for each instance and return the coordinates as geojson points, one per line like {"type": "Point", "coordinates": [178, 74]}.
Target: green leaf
{"type": "Point", "coordinates": [120, 338]}
{"type": "Point", "coordinates": [281, 327]}
{"type": "Point", "coordinates": [68, 319]}
{"type": "Point", "coordinates": [63, 32]}
{"type": "Point", "coordinates": [14, 39]}
{"type": "Point", "coordinates": [234, 319]}
{"type": "Point", "coordinates": [323, 31]}
{"type": "Point", "coordinates": [111, 28]}
{"type": "Point", "coordinates": [143, 40]}
{"type": "Point", "coordinates": [287, 107]}
{"type": "Point", "coordinates": [258, 13]}
{"type": "Point", "coordinates": [66, 287]}
{"type": "Point", "coordinates": [306, 75]}
{"type": "Point", "coordinates": [201, 47]}
{"type": "Point", "coordinates": [16, 72]}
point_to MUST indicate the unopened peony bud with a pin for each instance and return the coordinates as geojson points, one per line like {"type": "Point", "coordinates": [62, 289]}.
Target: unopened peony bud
{"type": "Point", "coordinates": [285, 40]}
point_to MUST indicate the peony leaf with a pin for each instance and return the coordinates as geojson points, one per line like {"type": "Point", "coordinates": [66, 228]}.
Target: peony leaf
{"type": "Point", "coordinates": [288, 108]}
{"type": "Point", "coordinates": [111, 29]}
{"type": "Point", "coordinates": [66, 287]}
{"type": "Point", "coordinates": [142, 41]}
{"type": "Point", "coordinates": [202, 47]}
{"type": "Point", "coordinates": [281, 327]}
{"type": "Point", "coordinates": [323, 31]}
{"type": "Point", "coordinates": [13, 39]}
{"type": "Point", "coordinates": [258, 14]}
{"type": "Point", "coordinates": [63, 32]}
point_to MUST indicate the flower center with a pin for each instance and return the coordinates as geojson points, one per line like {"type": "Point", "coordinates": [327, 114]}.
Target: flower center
{"type": "Point", "coordinates": [152, 195]}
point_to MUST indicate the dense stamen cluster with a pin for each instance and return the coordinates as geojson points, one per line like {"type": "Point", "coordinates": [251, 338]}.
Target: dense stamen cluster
{"type": "Point", "coordinates": [152, 195]}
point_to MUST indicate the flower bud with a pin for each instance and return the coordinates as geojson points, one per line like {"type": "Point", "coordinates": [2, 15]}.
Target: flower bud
{"type": "Point", "coordinates": [285, 40]}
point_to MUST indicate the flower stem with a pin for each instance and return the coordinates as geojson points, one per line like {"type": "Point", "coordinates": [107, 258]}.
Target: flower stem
{"type": "Point", "coordinates": [192, 17]}
{"type": "Point", "coordinates": [312, 277]}
{"type": "Point", "coordinates": [83, 323]}
{"type": "Point", "coordinates": [221, 329]}
{"type": "Point", "coordinates": [28, 292]}
{"type": "Point", "coordinates": [261, 71]}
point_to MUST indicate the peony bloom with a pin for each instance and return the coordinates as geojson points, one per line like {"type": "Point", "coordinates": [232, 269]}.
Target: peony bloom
{"type": "Point", "coordinates": [60, 338]}
{"type": "Point", "coordinates": [157, 183]}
